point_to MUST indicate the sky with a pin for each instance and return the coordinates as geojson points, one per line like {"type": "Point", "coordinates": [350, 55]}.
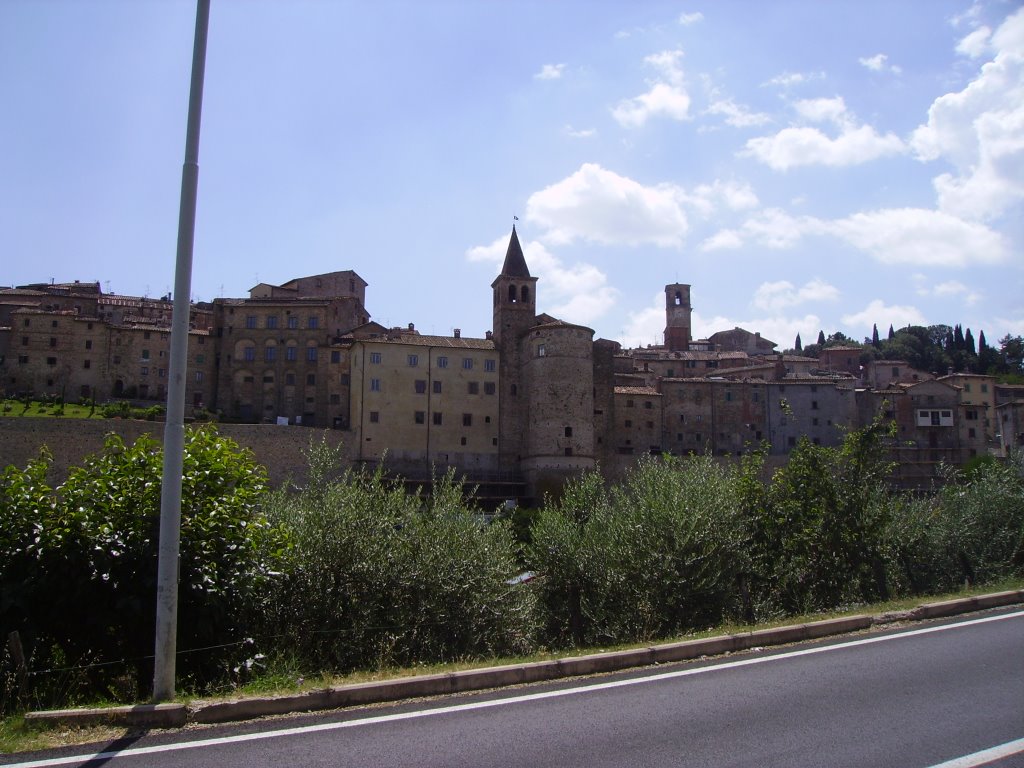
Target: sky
{"type": "Point", "coordinates": [803, 165]}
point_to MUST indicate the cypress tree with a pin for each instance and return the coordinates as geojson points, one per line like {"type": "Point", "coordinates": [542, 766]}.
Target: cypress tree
{"type": "Point", "coordinates": [874, 335]}
{"type": "Point", "coordinates": [821, 338]}
{"type": "Point", "coordinates": [892, 333]}
{"type": "Point", "coordinates": [798, 345]}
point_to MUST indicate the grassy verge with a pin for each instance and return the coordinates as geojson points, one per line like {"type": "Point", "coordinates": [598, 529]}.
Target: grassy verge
{"type": "Point", "coordinates": [42, 409]}
{"type": "Point", "coordinates": [283, 676]}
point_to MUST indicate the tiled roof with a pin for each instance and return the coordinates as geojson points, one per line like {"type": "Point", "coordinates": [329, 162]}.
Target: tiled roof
{"type": "Point", "coordinates": [515, 262]}
{"type": "Point", "coordinates": [637, 391]}
{"type": "Point", "coordinates": [432, 341]}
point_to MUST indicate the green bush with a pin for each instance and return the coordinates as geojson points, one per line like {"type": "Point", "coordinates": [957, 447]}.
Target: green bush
{"type": "Point", "coordinates": [657, 555]}
{"type": "Point", "coordinates": [78, 563]}
{"type": "Point", "coordinates": [376, 577]}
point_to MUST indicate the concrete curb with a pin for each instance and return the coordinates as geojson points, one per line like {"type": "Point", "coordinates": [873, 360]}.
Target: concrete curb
{"type": "Point", "coordinates": [176, 715]}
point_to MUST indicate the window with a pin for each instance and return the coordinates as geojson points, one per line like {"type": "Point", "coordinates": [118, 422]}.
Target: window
{"type": "Point", "coordinates": [971, 415]}
{"type": "Point", "coordinates": [972, 433]}
{"type": "Point", "coordinates": [374, 417]}
{"type": "Point", "coordinates": [437, 418]}
{"type": "Point", "coordinates": [24, 341]}
{"type": "Point", "coordinates": [490, 366]}
{"type": "Point", "coordinates": [335, 356]}
{"type": "Point", "coordinates": [199, 377]}
{"type": "Point", "coordinates": [984, 388]}
{"type": "Point", "coordinates": [200, 359]}
{"type": "Point", "coordinates": [814, 405]}
{"type": "Point", "coordinates": [541, 350]}
{"type": "Point", "coordinates": [467, 419]}
{"type": "Point", "coordinates": [648, 404]}
{"type": "Point", "coordinates": [117, 359]}
{"type": "Point", "coordinates": [144, 371]}
{"type": "Point", "coordinates": [629, 423]}
{"type": "Point", "coordinates": [375, 358]}
{"type": "Point", "coordinates": [289, 378]}
{"type": "Point", "coordinates": [88, 343]}
{"type": "Point", "coordinates": [145, 354]}
{"type": "Point", "coordinates": [269, 379]}
{"type": "Point", "coordinates": [250, 321]}
{"type": "Point", "coordinates": [272, 321]}
{"type": "Point", "coordinates": [249, 354]}
{"type": "Point", "coordinates": [467, 363]}
{"type": "Point", "coordinates": [27, 322]}
{"type": "Point", "coordinates": [375, 385]}
{"type": "Point", "coordinates": [414, 360]}
{"type": "Point", "coordinates": [87, 363]}
{"type": "Point", "coordinates": [442, 362]}
{"type": "Point", "coordinates": [489, 388]}
{"type": "Point", "coordinates": [437, 387]}
{"type": "Point", "coordinates": [930, 418]}
{"type": "Point", "coordinates": [629, 403]}
{"type": "Point", "coordinates": [313, 322]}
{"type": "Point", "coordinates": [269, 353]}
{"type": "Point", "coordinates": [335, 399]}
{"type": "Point", "coordinates": [568, 431]}
{"type": "Point", "coordinates": [568, 451]}
{"type": "Point", "coordinates": [474, 388]}
{"type": "Point", "coordinates": [311, 354]}
{"type": "Point", "coordinates": [420, 417]}
{"type": "Point", "coordinates": [310, 379]}
{"type": "Point", "coordinates": [291, 354]}
{"type": "Point", "coordinates": [293, 322]}
{"type": "Point", "coordinates": [22, 359]}
{"type": "Point", "coordinates": [421, 386]}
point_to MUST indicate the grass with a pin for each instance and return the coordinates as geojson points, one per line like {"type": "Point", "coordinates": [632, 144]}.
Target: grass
{"type": "Point", "coordinates": [285, 677]}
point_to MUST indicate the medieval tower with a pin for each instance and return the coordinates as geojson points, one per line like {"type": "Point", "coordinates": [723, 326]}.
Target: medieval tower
{"type": "Point", "coordinates": [677, 317]}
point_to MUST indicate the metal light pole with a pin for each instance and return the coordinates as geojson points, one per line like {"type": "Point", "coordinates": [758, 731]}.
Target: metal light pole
{"type": "Point", "coordinates": [174, 429]}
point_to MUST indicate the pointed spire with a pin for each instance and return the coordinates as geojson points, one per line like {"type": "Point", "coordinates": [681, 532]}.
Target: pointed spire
{"type": "Point", "coordinates": [515, 262]}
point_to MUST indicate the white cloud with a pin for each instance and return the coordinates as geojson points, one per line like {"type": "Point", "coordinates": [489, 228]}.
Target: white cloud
{"type": "Point", "coordinates": [776, 229]}
{"type": "Point", "coordinates": [947, 289]}
{"type": "Point", "coordinates": [975, 44]}
{"type": "Point", "coordinates": [878, 312]}
{"type": "Point", "coordinates": [550, 72]}
{"type": "Point", "coordinates": [600, 206]}
{"type": "Point", "coordinates": [782, 293]}
{"type": "Point", "coordinates": [666, 97]}
{"type": "Point", "coordinates": [920, 236]}
{"type": "Point", "coordinates": [796, 146]}
{"type": "Point", "coordinates": [736, 115]}
{"type": "Point", "coordinates": [687, 19]}
{"type": "Point", "coordinates": [789, 79]}
{"type": "Point", "coordinates": [723, 240]}
{"type": "Point", "coordinates": [577, 293]}
{"type": "Point", "coordinates": [877, 63]}
{"type": "Point", "coordinates": [980, 131]}
{"type": "Point", "coordinates": [583, 133]}
{"type": "Point", "coordinates": [708, 198]}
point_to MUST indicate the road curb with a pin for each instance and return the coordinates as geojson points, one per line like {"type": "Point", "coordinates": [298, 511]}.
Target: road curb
{"type": "Point", "coordinates": [176, 715]}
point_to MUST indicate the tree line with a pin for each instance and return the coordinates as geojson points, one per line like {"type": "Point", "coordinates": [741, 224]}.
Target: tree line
{"type": "Point", "coordinates": [935, 349]}
{"type": "Point", "coordinates": [350, 572]}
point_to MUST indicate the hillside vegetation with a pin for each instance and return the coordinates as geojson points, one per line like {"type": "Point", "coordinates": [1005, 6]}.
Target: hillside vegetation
{"type": "Point", "coordinates": [349, 572]}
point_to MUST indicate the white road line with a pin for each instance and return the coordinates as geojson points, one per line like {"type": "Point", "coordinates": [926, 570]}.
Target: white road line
{"type": "Point", "coordinates": [138, 751]}
{"type": "Point", "coordinates": [984, 756]}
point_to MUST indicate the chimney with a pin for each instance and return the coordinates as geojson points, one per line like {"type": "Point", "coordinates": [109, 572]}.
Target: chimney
{"type": "Point", "coordinates": [489, 335]}
{"type": "Point", "coordinates": [412, 327]}
{"type": "Point", "coordinates": [458, 333]}
{"type": "Point", "coordinates": [780, 368]}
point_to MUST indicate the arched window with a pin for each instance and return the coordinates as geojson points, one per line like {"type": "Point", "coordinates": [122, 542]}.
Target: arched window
{"type": "Point", "coordinates": [512, 294]}
{"type": "Point", "coordinates": [679, 298]}
{"type": "Point", "coordinates": [526, 294]}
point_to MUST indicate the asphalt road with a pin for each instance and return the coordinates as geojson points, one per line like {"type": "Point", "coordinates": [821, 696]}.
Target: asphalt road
{"type": "Point", "coordinates": [922, 696]}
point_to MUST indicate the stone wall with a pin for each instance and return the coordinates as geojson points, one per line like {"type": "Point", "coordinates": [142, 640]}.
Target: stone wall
{"type": "Point", "coordinates": [280, 449]}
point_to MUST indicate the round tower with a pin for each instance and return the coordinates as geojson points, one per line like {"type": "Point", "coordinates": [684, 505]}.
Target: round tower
{"type": "Point", "coordinates": [558, 373]}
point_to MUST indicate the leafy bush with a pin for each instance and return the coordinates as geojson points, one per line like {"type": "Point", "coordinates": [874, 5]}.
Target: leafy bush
{"type": "Point", "coordinates": [78, 563]}
{"type": "Point", "coordinates": [659, 554]}
{"type": "Point", "coordinates": [375, 577]}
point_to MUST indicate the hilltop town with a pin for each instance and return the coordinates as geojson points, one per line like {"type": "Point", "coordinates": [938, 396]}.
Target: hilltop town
{"type": "Point", "coordinates": [534, 401]}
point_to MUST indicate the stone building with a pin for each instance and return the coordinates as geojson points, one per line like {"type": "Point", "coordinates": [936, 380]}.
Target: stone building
{"type": "Point", "coordinates": [534, 401]}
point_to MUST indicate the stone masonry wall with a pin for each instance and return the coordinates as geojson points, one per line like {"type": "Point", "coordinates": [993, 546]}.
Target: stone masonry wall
{"type": "Point", "coordinates": [280, 449]}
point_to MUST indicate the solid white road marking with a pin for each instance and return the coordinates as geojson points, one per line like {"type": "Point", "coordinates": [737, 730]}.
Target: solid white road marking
{"type": "Point", "coordinates": [137, 751]}
{"type": "Point", "coordinates": [984, 756]}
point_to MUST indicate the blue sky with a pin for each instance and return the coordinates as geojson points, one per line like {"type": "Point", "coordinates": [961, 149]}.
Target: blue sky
{"type": "Point", "coordinates": [803, 165]}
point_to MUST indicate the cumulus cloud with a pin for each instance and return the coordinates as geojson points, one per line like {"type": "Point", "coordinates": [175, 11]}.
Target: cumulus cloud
{"type": "Point", "coordinates": [975, 44]}
{"type": "Point", "coordinates": [580, 133]}
{"type": "Point", "coordinates": [736, 115]}
{"type": "Point", "coordinates": [578, 293]}
{"type": "Point", "coordinates": [882, 314]}
{"type": "Point", "coordinates": [666, 97]}
{"type": "Point", "coordinates": [601, 206]}
{"type": "Point", "coordinates": [980, 131]}
{"type": "Point", "coordinates": [877, 63]}
{"type": "Point", "coordinates": [550, 72]}
{"type": "Point", "coordinates": [916, 236]}
{"type": "Point", "coordinates": [781, 294]}
{"type": "Point", "coordinates": [804, 145]}
{"type": "Point", "coordinates": [790, 79]}
{"type": "Point", "coordinates": [946, 290]}
{"type": "Point", "coordinates": [920, 236]}
{"type": "Point", "coordinates": [687, 19]}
